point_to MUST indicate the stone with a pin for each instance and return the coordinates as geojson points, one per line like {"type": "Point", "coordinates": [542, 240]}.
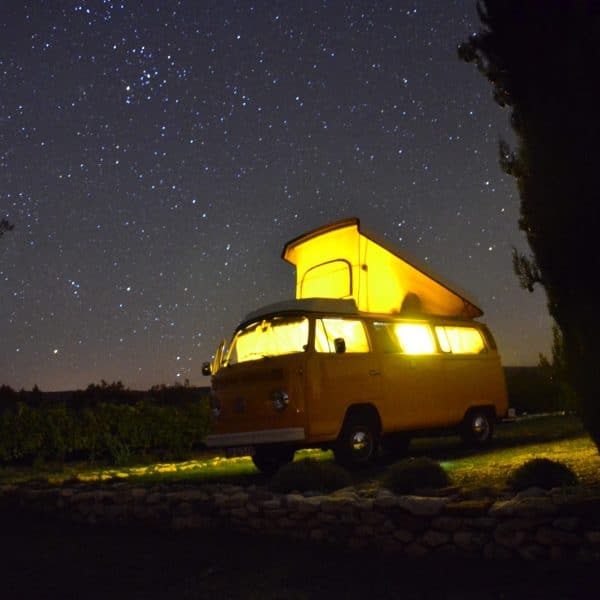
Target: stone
{"type": "Point", "coordinates": [535, 507]}
{"type": "Point", "coordinates": [185, 508]}
{"type": "Point", "coordinates": [272, 504]}
{"type": "Point", "coordinates": [363, 531]}
{"type": "Point", "coordinates": [421, 505]}
{"type": "Point", "coordinates": [138, 493]}
{"type": "Point", "coordinates": [404, 536]}
{"type": "Point", "coordinates": [511, 538]}
{"type": "Point", "coordinates": [286, 523]}
{"type": "Point", "coordinates": [326, 517]}
{"type": "Point", "coordinates": [292, 501]}
{"type": "Point", "coordinates": [238, 499]}
{"type": "Point", "coordinates": [531, 492]}
{"type": "Point", "coordinates": [470, 540]}
{"type": "Point", "coordinates": [372, 518]}
{"type": "Point", "coordinates": [593, 537]}
{"type": "Point", "coordinates": [337, 504]}
{"type": "Point", "coordinates": [549, 536]}
{"type": "Point", "coordinates": [384, 499]}
{"type": "Point", "coordinates": [532, 552]}
{"type": "Point", "coordinates": [415, 550]}
{"type": "Point", "coordinates": [433, 538]}
{"type": "Point", "coordinates": [494, 551]}
{"type": "Point", "coordinates": [480, 522]}
{"type": "Point", "coordinates": [468, 508]}
{"type": "Point", "coordinates": [567, 523]}
{"type": "Point", "coordinates": [317, 535]}
{"type": "Point", "coordinates": [310, 505]}
{"type": "Point", "coordinates": [447, 523]}
{"type": "Point", "coordinates": [239, 512]}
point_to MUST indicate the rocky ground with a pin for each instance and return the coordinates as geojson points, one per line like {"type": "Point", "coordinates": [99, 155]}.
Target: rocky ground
{"type": "Point", "coordinates": [44, 558]}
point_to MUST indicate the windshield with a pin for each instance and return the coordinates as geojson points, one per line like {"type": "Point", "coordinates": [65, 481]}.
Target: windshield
{"type": "Point", "coordinates": [269, 337]}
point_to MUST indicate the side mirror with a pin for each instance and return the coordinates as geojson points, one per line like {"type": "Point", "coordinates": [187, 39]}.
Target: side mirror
{"type": "Point", "coordinates": [339, 345]}
{"type": "Point", "coordinates": [206, 370]}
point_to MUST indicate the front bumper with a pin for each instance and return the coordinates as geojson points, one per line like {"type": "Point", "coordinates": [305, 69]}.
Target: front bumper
{"type": "Point", "coordinates": [250, 438]}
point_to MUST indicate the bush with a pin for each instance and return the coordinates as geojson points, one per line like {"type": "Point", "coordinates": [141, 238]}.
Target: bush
{"type": "Point", "coordinates": [88, 426]}
{"type": "Point", "coordinates": [411, 474]}
{"type": "Point", "coordinates": [543, 473]}
{"type": "Point", "coordinates": [310, 475]}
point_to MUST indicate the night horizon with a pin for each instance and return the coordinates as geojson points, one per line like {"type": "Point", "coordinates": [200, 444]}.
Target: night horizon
{"type": "Point", "coordinates": [154, 161]}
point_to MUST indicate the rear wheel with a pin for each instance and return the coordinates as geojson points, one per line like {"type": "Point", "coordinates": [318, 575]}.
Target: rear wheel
{"type": "Point", "coordinates": [358, 442]}
{"type": "Point", "coordinates": [477, 428]}
{"type": "Point", "coordinates": [268, 459]}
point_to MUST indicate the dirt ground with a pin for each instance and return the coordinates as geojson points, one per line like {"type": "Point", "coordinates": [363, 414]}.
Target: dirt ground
{"type": "Point", "coordinates": [46, 559]}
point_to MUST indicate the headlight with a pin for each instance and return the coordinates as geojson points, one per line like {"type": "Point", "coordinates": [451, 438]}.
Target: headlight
{"type": "Point", "coordinates": [280, 400]}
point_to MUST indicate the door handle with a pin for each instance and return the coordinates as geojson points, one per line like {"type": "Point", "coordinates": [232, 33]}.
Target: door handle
{"type": "Point", "coordinates": [374, 372]}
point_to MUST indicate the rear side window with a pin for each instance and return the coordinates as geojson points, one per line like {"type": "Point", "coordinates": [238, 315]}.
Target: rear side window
{"type": "Point", "coordinates": [460, 340]}
{"type": "Point", "coordinates": [407, 338]}
{"type": "Point", "coordinates": [352, 331]}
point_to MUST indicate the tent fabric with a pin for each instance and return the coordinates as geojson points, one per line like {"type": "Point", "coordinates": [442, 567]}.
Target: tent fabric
{"type": "Point", "coordinates": [343, 260]}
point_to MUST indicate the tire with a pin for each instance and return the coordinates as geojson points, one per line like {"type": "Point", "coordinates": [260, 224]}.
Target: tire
{"type": "Point", "coordinates": [358, 442]}
{"type": "Point", "coordinates": [477, 428]}
{"type": "Point", "coordinates": [269, 459]}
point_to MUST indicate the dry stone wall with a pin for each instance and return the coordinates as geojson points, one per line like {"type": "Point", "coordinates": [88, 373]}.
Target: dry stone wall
{"type": "Point", "coordinates": [534, 524]}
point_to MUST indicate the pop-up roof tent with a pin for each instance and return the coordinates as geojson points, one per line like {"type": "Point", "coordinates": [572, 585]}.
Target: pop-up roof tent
{"type": "Point", "coordinates": [342, 260]}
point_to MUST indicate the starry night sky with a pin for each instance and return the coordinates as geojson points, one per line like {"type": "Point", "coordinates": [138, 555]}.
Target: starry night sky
{"type": "Point", "coordinates": [155, 157]}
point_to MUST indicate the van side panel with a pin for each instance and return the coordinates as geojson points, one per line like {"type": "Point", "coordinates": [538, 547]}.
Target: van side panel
{"type": "Point", "coordinates": [335, 382]}
{"type": "Point", "coordinates": [472, 381]}
{"type": "Point", "coordinates": [412, 388]}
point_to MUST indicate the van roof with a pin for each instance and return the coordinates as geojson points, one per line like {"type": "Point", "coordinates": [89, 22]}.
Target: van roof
{"type": "Point", "coordinates": [325, 305]}
{"type": "Point", "coordinates": [344, 260]}
{"type": "Point", "coordinates": [334, 306]}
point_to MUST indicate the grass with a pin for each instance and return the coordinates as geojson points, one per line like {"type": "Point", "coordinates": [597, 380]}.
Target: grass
{"type": "Point", "coordinates": [556, 437]}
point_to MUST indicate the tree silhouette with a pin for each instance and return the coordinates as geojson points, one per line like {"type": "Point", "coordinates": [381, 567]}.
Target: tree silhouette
{"type": "Point", "coordinates": [5, 226]}
{"type": "Point", "coordinates": [542, 57]}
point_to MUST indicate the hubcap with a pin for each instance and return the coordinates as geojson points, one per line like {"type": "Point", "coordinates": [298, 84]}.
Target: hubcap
{"type": "Point", "coordinates": [361, 443]}
{"type": "Point", "coordinates": [480, 426]}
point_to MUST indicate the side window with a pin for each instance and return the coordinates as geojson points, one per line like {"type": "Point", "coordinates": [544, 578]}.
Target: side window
{"type": "Point", "coordinates": [352, 331]}
{"type": "Point", "coordinates": [415, 338]}
{"type": "Point", "coordinates": [460, 340]}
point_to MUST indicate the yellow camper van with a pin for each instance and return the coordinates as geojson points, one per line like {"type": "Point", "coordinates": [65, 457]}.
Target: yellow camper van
{"type": "Point", "coordinates": [373, 350]}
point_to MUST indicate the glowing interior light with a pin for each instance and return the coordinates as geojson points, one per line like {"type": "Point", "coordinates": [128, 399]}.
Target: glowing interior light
{"type": "Point", "coordinates": [352, 331]}
{"type": "Point", "coordinates": [269, 338]}
{"type": "Point", "coordinates": [460, 340]}
{"type": "Point", "coordinates": [415, 338]}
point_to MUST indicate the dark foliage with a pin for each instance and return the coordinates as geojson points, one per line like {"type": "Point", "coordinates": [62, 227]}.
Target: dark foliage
{"type": "Point", "coordinates": [540, 57]}
{"type": "Point", "coordinates": [104, 421]}
{"type": "Point", "coordinates": [412, 474]}
{"type": "Point", "coordinates": [5, 226]}
{"type": "Point", "coordinates": [535, 390]}
{"type": "Point", "coordinates": [310, 475]}
{"type": "Point", "coordinates": [543, 473]}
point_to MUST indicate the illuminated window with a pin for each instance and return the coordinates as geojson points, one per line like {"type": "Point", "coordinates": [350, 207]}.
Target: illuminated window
{"type": "Point", "coordinates": [351, 331]}
{"type": "Point", "coordinates": [460, 340]}
{"type": "Point", "coordinates": [332, 279]}
{"type": "Point", "coordinates": [415, 338]}
{"type": "Point", "coordinates": [272, 337]}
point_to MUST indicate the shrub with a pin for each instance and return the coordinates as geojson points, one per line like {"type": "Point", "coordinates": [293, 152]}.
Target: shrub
{"type": "Point", "coordinates": [411, 474]}
{"type": "Point", "coordinates": [541, 472]}
{"type": "Point", "coordinates": [309, 474]}
{"type": "Point", "coordinates": [136, 424]}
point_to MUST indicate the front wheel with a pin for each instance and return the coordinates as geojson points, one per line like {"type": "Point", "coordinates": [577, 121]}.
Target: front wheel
{"type": "Point", "coordinates": [269, 459]}
{"type": "Point", "coordinates": [357, 443]}
{"type": "Point", "coordinates": [477, 428]}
